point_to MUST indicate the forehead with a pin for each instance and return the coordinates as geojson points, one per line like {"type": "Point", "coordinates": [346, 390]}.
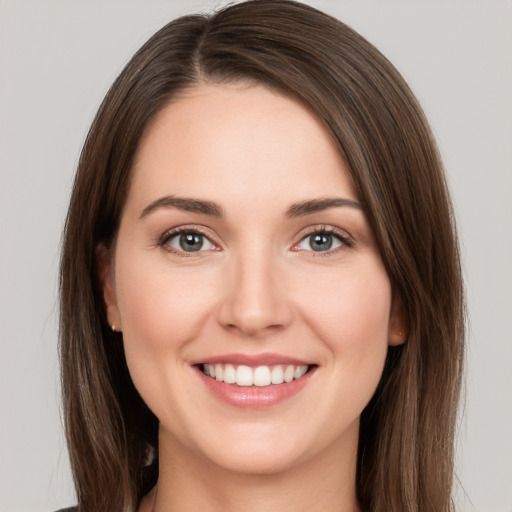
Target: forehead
{"type": "Point", "coordinates": [231, 141]}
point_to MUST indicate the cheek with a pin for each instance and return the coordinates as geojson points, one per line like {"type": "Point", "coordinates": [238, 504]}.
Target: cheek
{"type": "Point", "coordinates": [351, 317]}
{"type": "Point", "coordinates": [350, 311]}
{"type": "Point", "coordinates": [162, 310]}
{"type": "Point", "coordinates": [156, 300]}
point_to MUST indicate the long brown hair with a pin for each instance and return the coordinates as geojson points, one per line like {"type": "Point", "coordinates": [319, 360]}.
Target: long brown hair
{"type": "Point", "coordinates": [405, 458]}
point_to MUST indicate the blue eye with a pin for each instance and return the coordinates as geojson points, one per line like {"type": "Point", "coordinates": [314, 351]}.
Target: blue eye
{"type": "Point", "coordinates": [320, 242]}
{"type": "Point", "coordinates": [189, 241]}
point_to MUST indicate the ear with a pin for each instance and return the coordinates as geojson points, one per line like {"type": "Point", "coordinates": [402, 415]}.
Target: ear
{"type": "Point", "coordinates": [397, 333]}
{"type": "Point", "coordinates": [106, 277]}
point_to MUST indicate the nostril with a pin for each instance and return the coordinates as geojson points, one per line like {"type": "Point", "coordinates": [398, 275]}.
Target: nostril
{"type": "Point", "coordinates": [253, 308]}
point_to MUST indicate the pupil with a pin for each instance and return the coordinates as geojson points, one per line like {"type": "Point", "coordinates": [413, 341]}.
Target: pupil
{"type": "Point", "coordinates": [321, 242]}
{"type": "Point", "coordinates": [191, 242]}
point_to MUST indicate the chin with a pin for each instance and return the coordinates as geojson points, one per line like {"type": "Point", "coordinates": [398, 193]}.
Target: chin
{"type": "Point", "coordinates": [265, 460]}
{"type": "Point", "coordinates": [274, 448]}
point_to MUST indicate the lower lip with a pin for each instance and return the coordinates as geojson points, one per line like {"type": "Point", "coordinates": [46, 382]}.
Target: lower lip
{"type": "Point", "coordinates": [254, 397]}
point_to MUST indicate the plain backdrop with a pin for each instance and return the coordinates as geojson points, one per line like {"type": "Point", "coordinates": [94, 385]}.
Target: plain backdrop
{"type": "Point", "coordinates": [57, 59]}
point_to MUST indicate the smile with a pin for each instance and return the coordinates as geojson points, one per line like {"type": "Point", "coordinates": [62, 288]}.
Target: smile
{"type": "Point", "coordinates": [261, 376]}
{"type": "Point", "coordinates": [256, 381]}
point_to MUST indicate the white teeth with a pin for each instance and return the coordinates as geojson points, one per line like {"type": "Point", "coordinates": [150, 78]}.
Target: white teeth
{"type": "Point", "coordinates": [277, 375]}
{"type": "Point", "coordinates": [229, 374]}
{"type": "Point", "coordinates": [261, 376]}
{"type": "Point", "coordinates": [244, 376]}
{"type": "Point", "coordinates": [300, 371]}
{"type": "Point", "coordinates": [289, 373]}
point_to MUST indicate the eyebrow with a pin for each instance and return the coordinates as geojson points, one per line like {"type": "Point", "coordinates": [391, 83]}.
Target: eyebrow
{"type": "Point", "coordinates": [185, 204]}
{"type": "Point", "coordinates": [299, 209]}
{"type": "Point", "coordinates": [318, 205]}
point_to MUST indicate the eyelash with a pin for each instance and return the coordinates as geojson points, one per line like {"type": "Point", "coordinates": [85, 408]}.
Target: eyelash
{"type": "Point", "coordinates": [169, 235]}
{"type": "Point", "coordinates": [315, 230]}
{"type": "Point", "coordinates": [343, 237]}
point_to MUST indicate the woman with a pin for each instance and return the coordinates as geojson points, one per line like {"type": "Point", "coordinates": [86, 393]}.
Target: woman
{"type": "Point", "coordinates": [261, 300]}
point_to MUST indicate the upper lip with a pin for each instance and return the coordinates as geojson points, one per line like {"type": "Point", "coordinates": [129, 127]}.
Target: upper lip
{"type": "Point", "coordinates": [253, 360]}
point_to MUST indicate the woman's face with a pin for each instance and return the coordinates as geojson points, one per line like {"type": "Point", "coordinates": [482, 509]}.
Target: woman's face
{"type": "Point", "coordinates": [243, 252]}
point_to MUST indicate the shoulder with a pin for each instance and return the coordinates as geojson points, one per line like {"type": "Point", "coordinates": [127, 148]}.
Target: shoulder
{"type": "Point", "coordinates": [70, 509]}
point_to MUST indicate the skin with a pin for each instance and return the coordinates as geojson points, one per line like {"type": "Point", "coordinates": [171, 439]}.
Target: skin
{"type": "Point", "coordinates": [257, 286]}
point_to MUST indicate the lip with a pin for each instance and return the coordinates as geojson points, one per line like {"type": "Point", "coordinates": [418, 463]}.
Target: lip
{"type": "Point", "coordinates": [253, 360]}
{"type": "Point", "coordinates": [254, 397]}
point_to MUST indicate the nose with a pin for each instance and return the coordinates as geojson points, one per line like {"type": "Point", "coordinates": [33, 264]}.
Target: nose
{"type": "Point", "coordinates": [255, 302]}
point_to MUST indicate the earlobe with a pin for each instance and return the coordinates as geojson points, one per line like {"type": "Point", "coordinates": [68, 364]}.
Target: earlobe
{"type": "Point", "coordinates": [105, 275]}
{"type": "Point", "coordinates": [397, 329]}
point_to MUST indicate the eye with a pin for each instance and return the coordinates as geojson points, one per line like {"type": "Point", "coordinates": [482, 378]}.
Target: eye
{"type": "Point", "coordinates": [322, 241]}
{"type": "Point", "coordinates": [188, 241]}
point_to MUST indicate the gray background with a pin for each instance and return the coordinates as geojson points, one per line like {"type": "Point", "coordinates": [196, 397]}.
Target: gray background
{"type": "Point", "coordinates": [57, 59]}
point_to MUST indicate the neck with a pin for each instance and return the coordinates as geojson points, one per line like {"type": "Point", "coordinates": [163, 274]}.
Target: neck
{"type": "Point", "coordinates": [188, 482]}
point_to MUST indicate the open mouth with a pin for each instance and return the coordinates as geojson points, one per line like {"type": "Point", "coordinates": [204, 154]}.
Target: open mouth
{"type": "Point", "coordinates": [260, 376]}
